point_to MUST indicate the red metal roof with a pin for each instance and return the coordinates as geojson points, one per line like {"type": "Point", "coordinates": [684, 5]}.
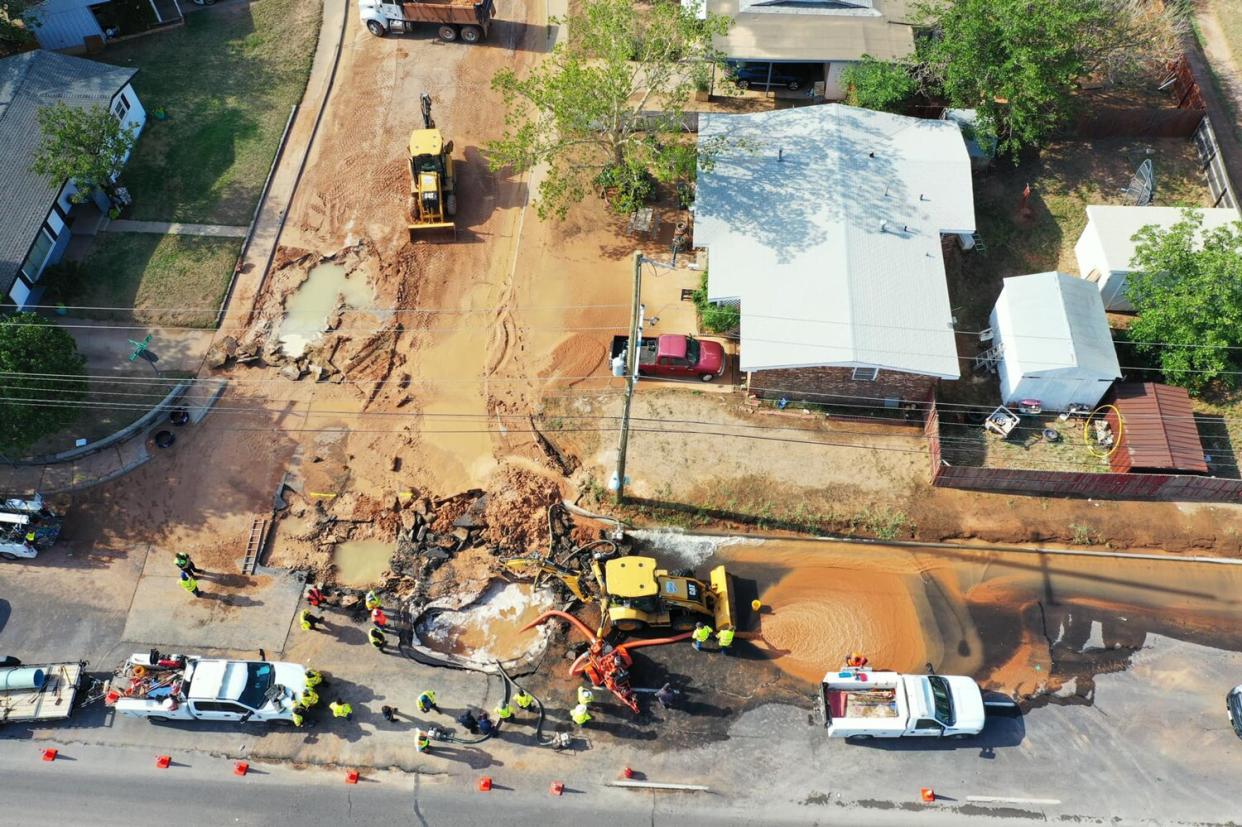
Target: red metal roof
{"type": "Point", "coordinates": [1159, 432]}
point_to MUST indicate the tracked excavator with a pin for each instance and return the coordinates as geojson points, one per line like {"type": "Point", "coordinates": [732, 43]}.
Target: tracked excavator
{"type": "Point", "coordinates": [433, 196]}
{"type": "Point", "coordinates": [633, 592]}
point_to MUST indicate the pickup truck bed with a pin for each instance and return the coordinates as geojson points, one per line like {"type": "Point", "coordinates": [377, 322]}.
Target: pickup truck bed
{"type": "Point", "coordinates": [862, 703]}
{"type": "Point", "coordinates": [52, 703]}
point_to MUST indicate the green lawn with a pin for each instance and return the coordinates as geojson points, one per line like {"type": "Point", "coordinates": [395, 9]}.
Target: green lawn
{"type": "Point", "coordinates": [168, 280]}
{"type": "Point", "coordinates": [227, 80]}
{"type": "Point", "coordinates": [1229, 13]}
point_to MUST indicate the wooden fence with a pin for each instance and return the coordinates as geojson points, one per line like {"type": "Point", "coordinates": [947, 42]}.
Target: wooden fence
{"type": "Point", "coordinates": [1176, 487]}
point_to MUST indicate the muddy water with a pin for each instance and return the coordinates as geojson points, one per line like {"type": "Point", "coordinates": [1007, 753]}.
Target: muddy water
{"type": "Point", "coordinates": [361, 563]}
{"type": "Point", "coordinates": [1039, 626]}
{"type": "Point", "coordinates": [308, 307]}
{"type": "Point", "coordinates": [490, 629]}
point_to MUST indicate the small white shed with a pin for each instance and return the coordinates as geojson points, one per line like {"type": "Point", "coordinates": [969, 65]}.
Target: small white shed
{"type": "Point", "coordinates": [1106, 247]}
{"type": "Point", "coordinates": [1054, 341]}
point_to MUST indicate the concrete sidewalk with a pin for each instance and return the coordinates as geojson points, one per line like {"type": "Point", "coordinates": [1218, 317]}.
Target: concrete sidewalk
{"type": "Point", "coordinates": [173, 228]}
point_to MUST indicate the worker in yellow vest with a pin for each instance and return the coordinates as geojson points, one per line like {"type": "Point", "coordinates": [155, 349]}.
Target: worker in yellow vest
{"type": "Point", "coordinates": [523, 699]}
{"type": "Point", "coordinates": [297, 715]}
{"type": "Point", "coordinates": [585, 695]}
{"type": "Point", "coordinates": [422, 743]}
{"type": "Point", "coordinates": [725, 638]}
{"type": "Point", "coordinates": [376, 638]}
{"type": "Point", "coordinates": [426, 701]}
{"type": "Point", "coordinates": [313, 677]}
{"type": "Point", "coordinates": [340, 709]}
{"type": "Point", "coordinates": [190, 585]}
{"type": "Point", "coordinates": [701, 634]}
{"type": "Point", "coordinates": [504, 712]}
{"type": "Point", "coordinates": [372, 601]}
{"type": "Point", "coordinates": [580, 715]}
{"type": "Point", "coordinates": [309, 698]}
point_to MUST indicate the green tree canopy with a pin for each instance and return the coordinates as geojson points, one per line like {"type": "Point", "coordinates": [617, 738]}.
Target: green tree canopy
{"type": "Point", "coordinates": [14, 31]}
{"type": "Point", "coordinates": [1186, 285]}
{"type": "Point", "coordinates": [588, 111]}
{"type": "Point", "coordinates": [878, 84]}
{"type": "Point", "coordinates": [41, 375]}
{"type": "Point", "coordinates": [87, 144]}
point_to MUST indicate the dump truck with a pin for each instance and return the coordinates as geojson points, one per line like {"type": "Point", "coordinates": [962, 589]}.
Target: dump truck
{"type": "Point", "coordinates": [189, 687]}
{"type": "Point", "coordinates": [433, 196]}
{"type": "Point", "coordinates": [635, 593]}
{"type": "Point", "coordinates": [672, 355]}
{"type": "Point", "coordinates": [40, 691]}
{"type": "Point", "coordinates": [20, 516]}
{"type": "Point", "coordinates": [860, 704]}
{"type": "Point", "coordinates": [464, 20]}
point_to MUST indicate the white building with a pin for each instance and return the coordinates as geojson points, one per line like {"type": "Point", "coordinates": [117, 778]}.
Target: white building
{"type": "Point", "coordinates": [1054, 340]}
{"type": "Point", "coordinates": [826, 224]}
{"type": "Point", "coordinates": [1106, 247]}
{"type": "Point", "coordinates": [66, 24]}
{"type": "Point", "coordinates": [35, 227]}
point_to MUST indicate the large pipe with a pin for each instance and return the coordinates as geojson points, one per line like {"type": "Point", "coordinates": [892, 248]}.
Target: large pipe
{"type": "Point", "coordinates": [548, 615]}
{"type": "Point", "coordinates": [22, 677]}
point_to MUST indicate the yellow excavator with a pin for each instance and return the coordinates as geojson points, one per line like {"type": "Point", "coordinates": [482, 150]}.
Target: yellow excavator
{"type": "Point", "coordinates": [433, 197]}
{"type": "Point", "coordinates": [634, 593]}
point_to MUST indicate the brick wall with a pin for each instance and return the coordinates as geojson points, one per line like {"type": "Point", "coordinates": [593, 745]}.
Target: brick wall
{"type": "Point", "coordinates": [827, 385]}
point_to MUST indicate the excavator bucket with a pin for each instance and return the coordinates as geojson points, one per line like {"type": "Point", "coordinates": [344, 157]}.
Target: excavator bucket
{"type": "Point", "coordinates": [722, 587]}
{"type": "Point", "coordinates": [440, 231]}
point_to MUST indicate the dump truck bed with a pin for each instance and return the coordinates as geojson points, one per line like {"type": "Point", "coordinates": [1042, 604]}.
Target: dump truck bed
{"type": "Point", "coordinates": [54, 702]}
{"type": "Point", "coordinates": [449, 11]}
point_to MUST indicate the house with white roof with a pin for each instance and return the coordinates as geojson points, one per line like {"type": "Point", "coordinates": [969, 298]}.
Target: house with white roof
{"type": "Point", "coordinates": [826, 225]}
{"type": "Point", "coordinates": [1053, 341]}
{"type": "Point", "coordinates": [1106, 248]}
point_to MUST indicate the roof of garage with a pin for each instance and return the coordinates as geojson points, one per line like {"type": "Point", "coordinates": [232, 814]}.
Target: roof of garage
{"type": "Point", "coordinates": [815, 31]}
{"type": "Point", "coordinates": [1159, 430]}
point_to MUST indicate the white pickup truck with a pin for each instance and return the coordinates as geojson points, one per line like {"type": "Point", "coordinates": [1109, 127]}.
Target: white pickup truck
{"type": "Point", "coordinates": [188, 687]}
{"type": "Point", "coordinates": [860, 704]}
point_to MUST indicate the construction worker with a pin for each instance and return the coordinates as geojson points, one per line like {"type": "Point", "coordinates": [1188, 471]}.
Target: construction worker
{"type": "Point", "coordinates": [376, 638]}
{"type": "Point", "coordinates": [309, 621]}
{"type": "Point", "coordinates": [856, 660]}
{"type": "Point", "coordinates": [29, 541]}
{"type": "Point", "coordinates": [486, 727]}
{"type": "Point", "coordinates": [504, 711]}
{"type": "Point", "coordinates": [186, 565]}
{"type": "Point", "coordinates": [297, 715]}
{"type": "Point", "coordinates": [309, 698]}
{"type": "Point", "coordinates": [389, 713]}
{"type": "Point", "coordinates": [314, 596]}
{"type": "Point", "coordinates": [340, 709]}
{"type": "Point", "coordinates": [666, 695]}
{"type": "Point", "coordinates": [725, 639]}
{"type": "Point", "coordinates": [580, 714]}
{"type": "Point", "coordinates": [421, 742]}
{"type": "Point", "coordinates": [378, 617]}
{"type": "Point", "coordinates": [585, 696]}
{"type": "Point", "coordinates": [467, 720]}
{"type": "Point", "coordinates": [372, 600]}
{"type": "Point", "coordinates": [427, 701]}
{"type": "Point", "coordinates": [701, 634]}
{"type": "Point", "coordinates": [313, 677]}
{"type": "Point", "coordinates": [523, 699]}
{"type": "Point", "coordinates": [190, 585]}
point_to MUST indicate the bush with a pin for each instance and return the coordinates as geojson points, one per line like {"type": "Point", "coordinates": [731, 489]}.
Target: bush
{"type": "Point", "coordinates": [715, 318]}
{"type": "Point", "coordinates": [878, 84]}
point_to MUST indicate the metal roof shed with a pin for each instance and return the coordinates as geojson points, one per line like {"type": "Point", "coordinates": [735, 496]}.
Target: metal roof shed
{"type": "Point", "coordinates": [1054, 340]}
{"type": "Point", "coordinates": [1158, 431]}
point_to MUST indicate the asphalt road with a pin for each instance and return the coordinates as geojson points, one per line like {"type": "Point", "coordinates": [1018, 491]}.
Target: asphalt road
{"type": "Point", "coordinates": [108, 786]}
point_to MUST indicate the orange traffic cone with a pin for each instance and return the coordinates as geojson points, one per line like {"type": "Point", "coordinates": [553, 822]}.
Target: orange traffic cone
{"type": "Point", "coordinates": [927, 794]}
{"type": "Point", "coordinates": [557, 788]}
{"type": "Point", "coordinates": [241, 768]}
{"type": "Point", "coordinates": [626, 772]}
{"type": "Point", "coordinates": [50, 754]}
{"type": "Point", "coordinates": [485, 783]}
{"type": "Point", "coordinates": [351, 777]}
{"type": "Point", "coordinates": [162, 761]}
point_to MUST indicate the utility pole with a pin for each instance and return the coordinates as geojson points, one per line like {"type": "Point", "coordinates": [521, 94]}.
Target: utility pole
{"type": "Point", "coordinates": [631, 373]}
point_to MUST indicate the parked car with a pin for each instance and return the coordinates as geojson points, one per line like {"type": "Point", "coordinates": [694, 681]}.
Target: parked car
{"type": "Point", "coordinates": [1233, 705]}
{"type": "Point", "coordinates": [673, 356]}
{"type": "Point", "coordinates": [754, 75]}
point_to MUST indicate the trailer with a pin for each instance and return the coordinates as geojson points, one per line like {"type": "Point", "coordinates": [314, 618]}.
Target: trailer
{"type": "Point", "coordinates": [465, 20]}
{"type": "Point", "coordinates": [39, 692]}
{"type": "Point", "coordinates": [22, 517]}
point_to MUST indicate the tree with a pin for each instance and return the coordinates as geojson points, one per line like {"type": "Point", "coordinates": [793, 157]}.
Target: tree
{"type": "Point", "coordinates": [1019, 62]}
{"type": "Point", "coordinates": [605, 110]}
{"type": "Point", "coordinates": [878, 84]}
{"type": "Point", "coordinates": [43, 374]}
{"type": "Point", "coordinates": [87, 144]}
{"type": "Point", "coordinates": [15, 33]}
{"type": "Point", "coordinates": [1186, 285]}
{"type": "Point", "coordinates": [715, 318]}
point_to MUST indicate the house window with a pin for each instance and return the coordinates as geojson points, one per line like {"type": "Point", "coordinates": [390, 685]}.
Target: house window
{"type": "Point", "coordinates": [121, 107]}
{"type": "Point", "coordinates": [38, 254]}
{"type": "Point", "coordinates": [865, 374]}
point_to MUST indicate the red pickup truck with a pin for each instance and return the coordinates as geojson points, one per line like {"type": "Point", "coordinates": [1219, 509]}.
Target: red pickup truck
{"type": "Point", "coordinates": [672, 355]}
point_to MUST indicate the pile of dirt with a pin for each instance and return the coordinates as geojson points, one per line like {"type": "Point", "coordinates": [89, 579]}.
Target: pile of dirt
{"type": "Point", "coordinates": [575, 358]}
{"type": "Point", "coordinates": [516, 512]}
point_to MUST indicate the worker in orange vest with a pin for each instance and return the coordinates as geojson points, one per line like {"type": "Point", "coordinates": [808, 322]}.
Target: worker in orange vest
{"type": "Point", "coordinates": [856, 660]}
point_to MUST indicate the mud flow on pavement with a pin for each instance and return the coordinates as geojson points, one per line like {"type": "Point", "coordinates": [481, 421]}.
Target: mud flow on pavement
{"type": "Point", "coordinates": [490, 629]}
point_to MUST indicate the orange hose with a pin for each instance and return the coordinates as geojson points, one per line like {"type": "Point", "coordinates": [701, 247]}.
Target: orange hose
{"type": "Point", "coordinates": [659, 641]}
{"type": "Point", "coordinates": [548, 615]}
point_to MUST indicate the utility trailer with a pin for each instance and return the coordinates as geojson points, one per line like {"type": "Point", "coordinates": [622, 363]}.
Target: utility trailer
{"type": "Point", "coordinates": [39, 692]}
{"type": "Point", "coordinates": [464, 20]}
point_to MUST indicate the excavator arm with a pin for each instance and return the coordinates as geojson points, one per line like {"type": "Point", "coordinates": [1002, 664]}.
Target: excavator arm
{"type": "Point", "coordinates": [576, 582]}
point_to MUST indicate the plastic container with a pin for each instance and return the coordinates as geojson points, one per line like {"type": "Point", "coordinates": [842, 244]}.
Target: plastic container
{"type": "Point", "coordinates": [22, 677]}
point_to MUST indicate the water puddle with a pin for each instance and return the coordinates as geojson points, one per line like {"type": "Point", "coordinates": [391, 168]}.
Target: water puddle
{"type": "Point", "coordinates": [308, 307]}
{"type": "Point", "coordinates": [361, 563]}
{"type": "Point", "coordinates": [489, 629]}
